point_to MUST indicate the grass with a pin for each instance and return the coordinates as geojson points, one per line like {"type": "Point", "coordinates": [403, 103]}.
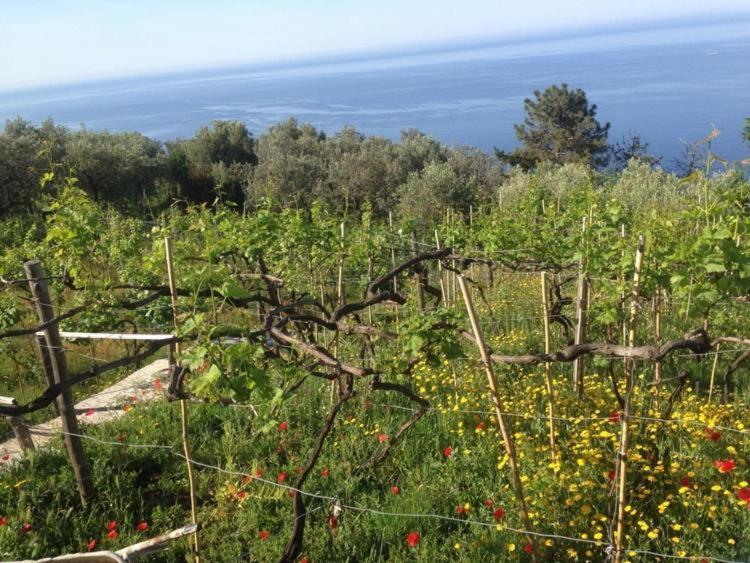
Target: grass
{"type": "Point", "coordinates": [679, 503]}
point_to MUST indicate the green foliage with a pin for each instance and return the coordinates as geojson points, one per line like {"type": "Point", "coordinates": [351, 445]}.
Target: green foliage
{"type": "Point", "coordinates": [560, 126]}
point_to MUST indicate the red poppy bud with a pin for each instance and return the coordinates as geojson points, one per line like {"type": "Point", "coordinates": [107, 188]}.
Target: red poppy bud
{"type": "Point", "coordinates": [112, 534]}
{"type": "Point", "coordinates": [26, 528]}
{"type": "Point", "coordinates": [91, 546]}
{"type": "Point", "coordinates": [142, 526]}
{"type": "Point", "coordinates": [447, 451]}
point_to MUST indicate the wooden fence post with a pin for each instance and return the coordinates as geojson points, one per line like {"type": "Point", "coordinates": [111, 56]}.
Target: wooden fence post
{"type": "Point", "coordinates": [183, 402]}
{"type": "Point", "coordinates": [622, 456]}
{"type": "Point", "coordinates": [51, 345]}
{"type": "Point", "coordinates": [21, 432]}
{"type": "Point", "coordinates": [548, 368]}
{"type": "Point", "coordinates": [510, 449]}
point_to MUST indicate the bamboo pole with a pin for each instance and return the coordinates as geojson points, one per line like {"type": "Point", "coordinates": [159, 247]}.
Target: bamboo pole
{"type": "Point", "coordinates": [53, 358]}
{"type": "Point", "coordinates": [443, 293]}
{"type": "Point", "coordinates": [657, 337]}
{"type": "Point", "coordinates": [582, 303]}
{"type": "Point", "coordinates": [183, 402]}
{"type": "Point", "coordinates": [417, 275]}
{"type": "Point", "coordinates": [510, 449]}
{"type": "Point", "coordinates": [713, 373]}
{"type": "Point", "coordinates": [340, 285]}
{"type": "Point", "coordinates": [393, 252]}
{"type": "Point", "coordinates": [622, 457]}
{"type": "Point", "coordinates": [548, 368]}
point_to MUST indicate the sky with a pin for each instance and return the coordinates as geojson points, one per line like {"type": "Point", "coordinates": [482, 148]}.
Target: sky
{"type": "Point", "coordinates": [50, 41]}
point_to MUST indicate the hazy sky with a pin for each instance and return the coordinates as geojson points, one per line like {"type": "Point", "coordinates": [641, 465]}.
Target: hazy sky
{"type": "Point", "coordinates": [44, 41]}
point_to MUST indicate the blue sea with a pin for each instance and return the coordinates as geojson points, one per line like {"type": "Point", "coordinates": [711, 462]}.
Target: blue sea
{"type": "Point", "coordinates": [669, 84]}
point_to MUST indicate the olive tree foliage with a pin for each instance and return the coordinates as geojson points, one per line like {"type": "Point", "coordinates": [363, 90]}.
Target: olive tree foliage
{"type": "Point", "coordinates": [117, 168]}
{"type": "Point", "coordinates": [426, 195]}
{"type": "Point", "coordinates": [746, 131]}
{"type": "Point", "coordinates": [477, 170]}
{"type": "Point", "coordinates": [291, 167]}
{"type": "Point", "coordinates": [26, 153]}
{"type": "Point", "coordinates": [362, 172]}
{"type": "Point", "coordinates": [215, 164]}
{"type": "Point", "coordinates": [560, 127]}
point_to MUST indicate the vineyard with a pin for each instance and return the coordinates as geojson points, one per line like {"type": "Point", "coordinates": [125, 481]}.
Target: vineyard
{"type": "Point", "coordinates": [558, 375]}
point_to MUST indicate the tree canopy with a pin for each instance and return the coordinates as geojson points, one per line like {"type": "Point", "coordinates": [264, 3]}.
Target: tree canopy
{"type": "Point", "coordinates": [560, 127]}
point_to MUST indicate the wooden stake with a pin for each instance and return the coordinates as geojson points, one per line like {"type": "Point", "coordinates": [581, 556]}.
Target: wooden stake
{"type": "Point", "coordinates": [548, 368]}
{"type": "Point", "coordinates": [622, 457]}
{"type": "Point", "coordinates": [53, 358]}
{"type": "Point", "coordinates": [183, 402]}
{"type": "Point", "coordinates": [510, 449]}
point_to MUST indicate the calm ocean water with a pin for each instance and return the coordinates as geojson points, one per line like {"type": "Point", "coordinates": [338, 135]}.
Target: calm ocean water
{"type": "Point", "coordinates": [667, 84]}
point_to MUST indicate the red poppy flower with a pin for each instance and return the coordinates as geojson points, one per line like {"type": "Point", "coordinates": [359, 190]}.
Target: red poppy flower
{"type": "Point", "coordinates": [325, 473]}
{"type": "Point", "coordinates": [263, 535]}
{"type": "Point", "coordinates": [489, 503]}
{"type": "Point", "coordinates": [413, 539]}
{"type": "Point", "coordinates": [724, 465]}
{"type": "Point", "coordinates": [611, 474]}
{"type": "Point", "coordinates": [447, 451]}
{"type": "Point", "coordinates": [91, 546]}
{"type": "Point", "coordinates": [304, 560]}
{"type": "Point", "coordinates": [4, 521]}
{"type": "Point", "coordinates": [241, 495]}
{"type": "Point", "coordinates": [282, 477]}
{"type": "Point", "coordinates": [90, 412]}
{"type": "Point", "coordinates": [283, 426]}
{"type": "Point", "coordinates": [615, 417]}
{"type": "Point", "coordinates": [112, 534]}
{"type": "Point", "coordinates": [528, 548]}
{"type": "Point", "coordinates": [333, 522]}
{"type": "Point", "coordinates": [142, 526]}
{"type": "Point", "coordinates": [26, 528]}
{"type": "Point", "coordinates": [395, 490]}
{"type": "Point", "coordinates": [382, 438]}
{"type": "Point", "coordinates": [461, 509]}
{"type": "Point", "coordinates": [713, 435]}
{"type": "Point", "coordinates": [499, 514]}
{"type": "Point", "coordinates": [744, 494]}
{"type": "Point", "coordinates": [481, 426]}
{"type": "Point", "coordinates": [111, 525]}
{"type": "Point", "coordinates": [686, 482]}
